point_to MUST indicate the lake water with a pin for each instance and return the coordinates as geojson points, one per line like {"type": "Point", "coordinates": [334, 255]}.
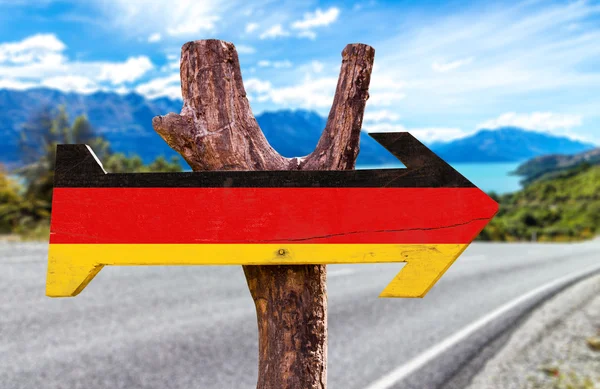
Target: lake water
{"type": "Point", "coordinates": [487, 176]}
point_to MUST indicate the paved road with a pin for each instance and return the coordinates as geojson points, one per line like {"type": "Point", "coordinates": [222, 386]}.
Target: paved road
{"type": "Point", "coordinates": [194, 327]}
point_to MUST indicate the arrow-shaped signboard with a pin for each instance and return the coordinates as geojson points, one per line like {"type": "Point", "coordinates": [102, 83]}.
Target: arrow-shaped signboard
{"type": "Point", "coordinates": [424, 215]}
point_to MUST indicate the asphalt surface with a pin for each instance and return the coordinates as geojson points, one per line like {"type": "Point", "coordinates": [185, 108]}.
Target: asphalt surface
{"type": "Point", "coordinates": [194, 327]}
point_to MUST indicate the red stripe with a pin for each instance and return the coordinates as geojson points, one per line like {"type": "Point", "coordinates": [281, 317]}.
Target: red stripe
{"type": "Point", "coordinates": [269, 215]}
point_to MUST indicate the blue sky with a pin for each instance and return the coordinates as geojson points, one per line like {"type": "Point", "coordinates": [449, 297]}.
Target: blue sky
{"type": "Point", "coordinates": [442, 69]}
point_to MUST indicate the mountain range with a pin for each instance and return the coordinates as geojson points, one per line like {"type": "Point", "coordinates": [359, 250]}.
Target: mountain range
{"type": "Point", "coordinates": [549, 166]}
{"type": "Point", "coordinates": [125, 120]}
{"type": "Point", "coordinates": [507, 144]}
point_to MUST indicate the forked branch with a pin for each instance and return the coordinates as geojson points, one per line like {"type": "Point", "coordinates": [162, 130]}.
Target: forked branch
{"type": "Point", "coordinates": [216, 130]}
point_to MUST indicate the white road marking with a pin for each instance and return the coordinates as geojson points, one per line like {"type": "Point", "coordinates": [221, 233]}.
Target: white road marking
{"type": "Point", "coordinates": [340, 272]}
{"type": "Point", "coordinates": [433, 352]}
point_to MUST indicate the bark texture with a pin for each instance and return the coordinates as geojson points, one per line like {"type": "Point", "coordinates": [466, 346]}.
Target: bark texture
{"type": "Point", "coordinates": [216, 130]}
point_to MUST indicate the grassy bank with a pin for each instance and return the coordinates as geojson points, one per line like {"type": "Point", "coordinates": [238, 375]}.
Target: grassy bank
{"type": "Point", "coordinates": [561, 208]}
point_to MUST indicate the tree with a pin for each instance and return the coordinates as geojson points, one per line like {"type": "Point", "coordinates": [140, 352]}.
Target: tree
{"type": "Point", "coordinates": [39, 137]}
{"type": "Point", "coordinates": [160, 164]}
{"type": "Point", "coordinates": [16, 212]}
{"type": "Point", "coordinates": [46, 129]}
{"type": "Point", "coordinates": [9, 202]}
{"type": "Point", "coordinates": [120, 163]}
{"type": "Point", "coordinates": [26, 207]}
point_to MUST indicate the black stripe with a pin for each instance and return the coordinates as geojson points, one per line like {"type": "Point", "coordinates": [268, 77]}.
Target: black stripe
{"type": "Point", "coordinates": [76, 167]}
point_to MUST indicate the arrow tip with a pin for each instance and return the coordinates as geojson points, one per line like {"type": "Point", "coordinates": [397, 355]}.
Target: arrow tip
{"type": "Point", "coordinates": [419, 158]}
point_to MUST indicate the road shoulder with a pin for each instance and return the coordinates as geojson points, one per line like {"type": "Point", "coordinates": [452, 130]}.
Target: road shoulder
{"type": "Point", "coordinates": [550, 348]}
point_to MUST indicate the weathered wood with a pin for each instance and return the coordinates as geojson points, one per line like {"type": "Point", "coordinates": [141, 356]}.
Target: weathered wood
{"type": "Point", "coordinates": [424, 215]}
{"type": "Point", "coordinates": [216, 130]}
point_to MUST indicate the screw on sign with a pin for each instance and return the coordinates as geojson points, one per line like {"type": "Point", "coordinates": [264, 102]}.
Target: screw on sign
{"type": "Point", "coordinates": [282, 218]}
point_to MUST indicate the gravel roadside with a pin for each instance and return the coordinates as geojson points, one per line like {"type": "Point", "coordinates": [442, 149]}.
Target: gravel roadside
{"type": "Point", "coordinates": [554, 348]}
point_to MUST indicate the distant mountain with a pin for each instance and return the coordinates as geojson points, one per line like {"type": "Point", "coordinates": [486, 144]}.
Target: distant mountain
{"type": "Point", "coordinates": [296, 133]}
{"type": "Point", "coordinates": [126, 121]}
{"type": "Point", "coordinates": [506, 144]}
{"type": "Point", "coordinates": [549, 166]}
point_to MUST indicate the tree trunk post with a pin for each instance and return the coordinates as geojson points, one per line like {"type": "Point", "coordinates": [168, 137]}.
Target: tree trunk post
{"type": "Point", "coordinates": [216, 130]}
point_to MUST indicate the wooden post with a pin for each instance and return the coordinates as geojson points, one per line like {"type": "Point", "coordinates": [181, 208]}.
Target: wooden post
{"type": "Point", "coordinates": [216, 130]}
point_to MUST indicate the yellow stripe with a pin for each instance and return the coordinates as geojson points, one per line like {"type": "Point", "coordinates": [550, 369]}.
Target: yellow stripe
{"type": "Point", "coordinates": [72, 266]}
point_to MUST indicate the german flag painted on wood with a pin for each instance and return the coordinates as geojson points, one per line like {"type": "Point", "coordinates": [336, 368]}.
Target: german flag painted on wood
{"type": "Point", "coordinates": [424, 215]}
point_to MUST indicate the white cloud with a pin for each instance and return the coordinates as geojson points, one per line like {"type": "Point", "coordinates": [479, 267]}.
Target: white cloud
{"type": "Point", "coordinates": [308, 34]}
{"type": "Point", "coordinates": [275, 64]}
{"type": "Point", "coordinates": [169, 86]}
{"type": "Point", "coordinates": [313, 20]}
{"type": "Point", "coordinates": [533, 56]}
{"type": "Point", "coordinates": [317, 92]}
{"type": "Point", "coordinates": [16, 84]}
{"type": "Point", "coordinates": [317, 19]}
{"type": "Point", "coordinates": [191, 27]}
{"type": "Point", "coordinates": [174, 62]}
{"type": "Point", "coordinates": [274, 32]}
{"type": "Point", "coordinates": [424, 134]}
{"type": "Point", "coordinates": [541, 121]}
{"type": "Point", "coordinates": [122, 90]}
{"type": "Point", "coordinates": [37, 48]}
{"type": "Point", "coordinates": [383, 127]}
{"type": "Point", "coordinates": [367, 4]}
{"type": "Point", "coordinates": [251, 27]}
{"type": "Point", "coordinates": [128, 71]}
{"type": "Point", "coordinates": [244, 49]}
{"type": "Point", "coordinates": [254, 85]}
{"type": "Point", "coordinates": [380, 116]}
{"type": "Point", "coordinates": [385, 89]}
{"type": "Point", "coordinates": [437, 134]}
{"type": "Point", "coordinates": [155, 37]}
{"type": "Point", "coordinates": [317, 66]}
{"type": "Point", "coordinates": [182, 18]}
{"type": "Point", "coordinates": [310, 93]}
{"type": "Point", "coordinates": [443, 67]}
{"type": "Point", "coordinates": [385, 98]}
{"type": "Point", "coordinates": [71, 83]}
{"type": "Point", "coordinates": [282, 64]}
{"type": "Point", "coordinates": [39, 61]}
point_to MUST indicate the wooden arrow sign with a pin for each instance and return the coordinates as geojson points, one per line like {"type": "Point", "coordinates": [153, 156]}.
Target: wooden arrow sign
{"type": "Point", "coordinates": [424, 215]}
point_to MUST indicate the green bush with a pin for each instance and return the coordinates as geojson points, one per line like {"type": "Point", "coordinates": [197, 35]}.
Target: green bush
{"type": "Point", "coordinates": [564, 208]}
{"type": "Point", "coordinates": [25, 209]}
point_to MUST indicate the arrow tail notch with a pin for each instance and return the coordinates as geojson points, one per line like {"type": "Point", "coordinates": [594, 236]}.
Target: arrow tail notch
{"type": "Point", "coordinates": [75, 163]}
{"type": "Point", "coordinates": [424, 267]}
{"type": "Point", "coordinates": [68, 276]}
